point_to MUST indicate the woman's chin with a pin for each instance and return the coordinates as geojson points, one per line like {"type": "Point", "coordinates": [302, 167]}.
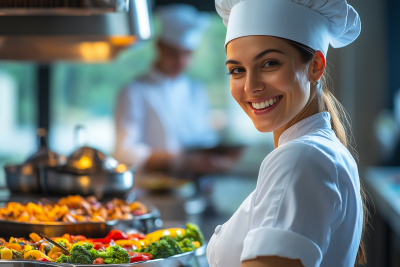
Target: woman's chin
{"type": "Point", "coordinates": [261, 127]}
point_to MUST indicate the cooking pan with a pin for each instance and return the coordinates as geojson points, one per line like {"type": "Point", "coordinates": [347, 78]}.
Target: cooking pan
{"type": "Point", "coordinates": [25, 178]}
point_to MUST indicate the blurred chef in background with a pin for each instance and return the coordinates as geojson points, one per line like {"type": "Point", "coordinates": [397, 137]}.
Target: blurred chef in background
{"type": "Point", "coordinates": [165, 113]}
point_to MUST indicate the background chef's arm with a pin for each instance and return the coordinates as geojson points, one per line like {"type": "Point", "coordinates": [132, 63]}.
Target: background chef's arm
{"type": "Point", "coordinates": [272, 261]}
{"type": "Point", "coordinates": [130, 121]}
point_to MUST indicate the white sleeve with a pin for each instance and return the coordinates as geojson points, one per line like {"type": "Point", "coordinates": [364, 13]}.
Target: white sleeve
{"type": "Point", "coordinates": [296, 206]}
{"type": "Point", "coordinates": [130, 121]}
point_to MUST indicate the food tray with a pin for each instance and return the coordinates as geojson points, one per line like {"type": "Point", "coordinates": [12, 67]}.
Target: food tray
{"type": "Point", "coordinates": [174, 261]}
{"type": "Point", "coordinates": [143, 223]}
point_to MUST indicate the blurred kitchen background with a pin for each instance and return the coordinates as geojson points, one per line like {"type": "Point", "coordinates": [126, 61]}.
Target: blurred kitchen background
{"type": "Point", "coordinates": [364, 76]}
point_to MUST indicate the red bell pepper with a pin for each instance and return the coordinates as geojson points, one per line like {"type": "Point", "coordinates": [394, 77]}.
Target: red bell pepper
{"type": "Point", "coordinates": [138, 236]}
{"type": "Point", "coordinates": [116, 235]}
{"type": "Point", "coordinates": [112, 235]}
{"type": "Point", "coordinates": [136, 257]}
{"type": "Point", "coordinates": [43, 259]}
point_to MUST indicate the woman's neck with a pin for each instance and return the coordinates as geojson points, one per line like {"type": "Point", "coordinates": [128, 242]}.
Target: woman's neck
{"type": "Point", "coordinates": [312, 107]}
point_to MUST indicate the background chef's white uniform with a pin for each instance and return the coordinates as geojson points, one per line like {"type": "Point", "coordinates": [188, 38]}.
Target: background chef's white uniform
{"type": "Point", "coordinates": [306, 204]}
{"type": "Point", "coordinates": [163, 113]}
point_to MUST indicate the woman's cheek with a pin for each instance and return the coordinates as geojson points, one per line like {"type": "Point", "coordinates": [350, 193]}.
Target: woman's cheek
{"type": "Point", "coordinates": [236, 91]}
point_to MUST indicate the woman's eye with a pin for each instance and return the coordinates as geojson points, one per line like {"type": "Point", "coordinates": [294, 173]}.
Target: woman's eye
{"type": "Point", "coordinates": [236, 71]}
{"type": "Point", "coordinates": [271, 63]}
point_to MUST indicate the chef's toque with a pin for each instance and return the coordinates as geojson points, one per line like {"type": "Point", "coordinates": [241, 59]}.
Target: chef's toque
{"type": "Point", "coordinates": [182, 25]}
{"type": "Point", "coordinates": [314, 23]}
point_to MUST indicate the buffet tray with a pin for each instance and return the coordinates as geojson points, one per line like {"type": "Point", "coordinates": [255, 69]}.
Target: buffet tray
{"type": "Point", "coordinates": [143, 223]}
{"type": "Point", "coordinates": [174, 261]}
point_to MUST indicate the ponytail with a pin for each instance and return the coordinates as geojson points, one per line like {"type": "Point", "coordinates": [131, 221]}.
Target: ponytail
{"type": "Point", "coordinates": [341, 125]}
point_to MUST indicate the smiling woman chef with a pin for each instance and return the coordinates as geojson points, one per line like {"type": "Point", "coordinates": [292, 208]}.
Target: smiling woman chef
{"type": "Point", "coordinates": [307, 208]}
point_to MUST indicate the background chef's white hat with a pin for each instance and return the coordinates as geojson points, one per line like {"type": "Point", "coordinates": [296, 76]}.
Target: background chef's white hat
{"type": "Point", "coordinates": [314, 23]}
{"type": "Point", "coordinates": [182, 25]}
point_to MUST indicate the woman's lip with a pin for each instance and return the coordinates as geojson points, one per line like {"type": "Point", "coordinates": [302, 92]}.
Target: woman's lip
{"type": "Point", "coordinates": [265, 110]}
{"type": "Point", "coordinates": [259, 100]}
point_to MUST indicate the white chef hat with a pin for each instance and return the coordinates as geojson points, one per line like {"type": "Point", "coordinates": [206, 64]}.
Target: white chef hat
{"type": "Point", "coordinates": [182, 25]}
{"type": "Point", "coordinates": [314, 23]}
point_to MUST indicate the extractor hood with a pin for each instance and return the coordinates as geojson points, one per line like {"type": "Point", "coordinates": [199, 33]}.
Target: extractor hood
{"type": "Point", "coordinates": [72, 30]}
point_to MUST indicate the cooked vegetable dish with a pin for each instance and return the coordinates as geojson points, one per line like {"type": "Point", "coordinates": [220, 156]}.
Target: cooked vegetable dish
{"type": "Point", "coordinates": [116, 248]}
{"type": "Point", "coordinates": [72, 209]}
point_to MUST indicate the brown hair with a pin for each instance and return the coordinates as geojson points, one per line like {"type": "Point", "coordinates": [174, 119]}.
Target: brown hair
{"type": "Point", "coordinates": [341, 125]}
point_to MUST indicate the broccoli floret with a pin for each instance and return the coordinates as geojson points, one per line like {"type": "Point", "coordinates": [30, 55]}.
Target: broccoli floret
{"type": "Point", "coordinates": [164, 248]}
{"type": "Point", "coordinates": [114, 255]}
{"type": "Point", "coordinates": [174, 244]}
{"type": "Point", "coordinates": [93, 253]}
{"type": "Point", "coordinates": [187, 245]}
{"type": "Point", "coordinates": [193, 232]}
{"type": "Point", "coordinates": [79, 254]}
{"type": "Point", "coordinates": [63, 259]}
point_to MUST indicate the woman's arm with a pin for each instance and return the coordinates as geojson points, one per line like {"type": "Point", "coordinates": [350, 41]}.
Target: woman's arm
{"type": "Point", "coordinates": [272, 261]}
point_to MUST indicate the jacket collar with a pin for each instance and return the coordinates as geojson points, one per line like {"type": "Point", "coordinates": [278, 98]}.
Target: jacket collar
{"type": "Point", "coordinates": [306, 126]}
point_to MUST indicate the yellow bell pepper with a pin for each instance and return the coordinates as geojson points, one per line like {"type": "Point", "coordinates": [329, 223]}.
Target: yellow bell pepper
{"type": "Point", "coordinates": [67, 243]}
{"type": "Point", "coordinates": [129, 243]}
{"type": "Point", "coordinates": [35, 237]}
{"type": "Point", "coordinates": [12, 239]}
{"type": "Point", "coordinates": [6, 254]}
{"type": "Point", "coordinates": [28, 248]}
{"type": "Point", "coordinates": [36, 254]}
{"type": "Point", "coordinates": [172, 232]}
{"type": "Point", "coordinates": [53, 250]}
{"type": "Point", "coordinates": [196, 243]}
{"type": "Point", "coordinates": [15, 246]}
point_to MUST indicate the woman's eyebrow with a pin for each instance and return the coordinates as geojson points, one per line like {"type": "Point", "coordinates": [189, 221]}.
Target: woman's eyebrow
{"type": "Point", "coordinates": [231, 61]}
{"type": "Point", "coordinates": [260, 55]}
{"type": "Point", "coordinates": [267, 52]}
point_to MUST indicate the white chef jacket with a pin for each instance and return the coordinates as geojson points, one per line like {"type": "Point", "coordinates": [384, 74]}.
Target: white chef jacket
{"type": "Point", "coordinates": [159, 112]}
{"type": "Point", "coordinates": [306, 204]}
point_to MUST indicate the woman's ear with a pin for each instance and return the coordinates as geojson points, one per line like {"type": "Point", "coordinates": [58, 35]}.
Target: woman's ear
{"type": "Point", "coordinates": [317, 66]}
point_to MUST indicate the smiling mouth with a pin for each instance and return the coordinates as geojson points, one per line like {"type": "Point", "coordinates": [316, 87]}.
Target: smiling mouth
{"type": "Point", "coordinates": [265, 104]}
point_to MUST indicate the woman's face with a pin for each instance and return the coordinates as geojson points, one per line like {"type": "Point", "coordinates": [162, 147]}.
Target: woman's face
{"type": "Point", "coordinates": [268, 80]}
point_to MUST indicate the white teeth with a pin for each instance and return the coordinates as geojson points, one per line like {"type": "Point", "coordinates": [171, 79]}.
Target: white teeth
{"type": "Point", "coordinates": [265, 104]}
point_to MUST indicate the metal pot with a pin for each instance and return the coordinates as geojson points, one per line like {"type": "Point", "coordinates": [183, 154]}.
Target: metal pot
{"type": "Point", "coordinates": [25, 178]}
{"type": "Point", "coordinates": [88, 172]}
{"type": "Point", "coordinates": [60, 180]}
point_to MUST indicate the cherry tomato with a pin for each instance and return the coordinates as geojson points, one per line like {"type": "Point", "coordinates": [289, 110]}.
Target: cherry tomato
{"type": "Point", "coordinates": [43, 259]}
{"type": "Point", "coordinates": [98, 261]}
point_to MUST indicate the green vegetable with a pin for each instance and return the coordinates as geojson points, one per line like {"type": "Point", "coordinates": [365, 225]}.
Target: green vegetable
{"type": "Point", "coordinates": [193, 233]}
{"type": "Point", "coordinates": [187, 245]}
{"type": "Point", "coordinates": [79, 254]}
{"type": "Point", "coordinates": [114, 255]}
{"type": "Point", "coordinates": [62, 243]}
{"type": "Point", "coordinates": [63, 259]}
{"type": "Point", "coordinates": [164, 248]}
{"type": "Point", "coordinates": [18, 255]}
{"type": "Point", "coordinates": [93, 253]}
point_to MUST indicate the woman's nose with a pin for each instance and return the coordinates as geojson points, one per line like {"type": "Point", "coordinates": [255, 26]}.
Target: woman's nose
{"type": "Point", "coordinates": [254, 83]}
